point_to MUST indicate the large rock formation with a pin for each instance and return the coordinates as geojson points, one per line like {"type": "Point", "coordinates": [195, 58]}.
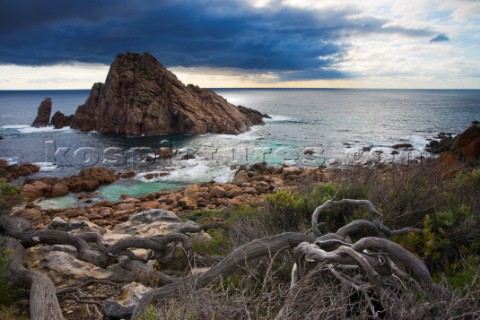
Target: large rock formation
{"type": "Point", "coordinates": [465, 146]}
{"type": "Point", "coordinates": [140, 96]}
{"type": "Point", "coordinates": [43, 114]}
{"type": "Point", "coordinates": [59, 120]}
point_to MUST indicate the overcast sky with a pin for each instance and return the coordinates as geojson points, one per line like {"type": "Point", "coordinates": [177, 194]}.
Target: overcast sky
{"type": "Point", "coordinates": [46, 44]}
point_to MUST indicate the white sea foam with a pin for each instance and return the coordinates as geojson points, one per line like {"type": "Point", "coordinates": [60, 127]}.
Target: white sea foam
{"type": "Point", "coordinates": [417, 142]}
{"type": "Point", "coordinates": [15, 126]}
{"type": "Point", "coordinates": [278, 118]}
{"type": "Point", "coordinates": [11, 160]}
{"type": "Point", "coordinates": [381, 151]}
{"type": "Point", "coordinates": [191, 171]}
{"type": "Point", "coordinates": [29, 129]}
{"type": "Point", "coordinates": [46, 166]}
{"type": "Point", "coordinates": [26, 129]}
{"type": "Point", "coordinates": [249, 135]}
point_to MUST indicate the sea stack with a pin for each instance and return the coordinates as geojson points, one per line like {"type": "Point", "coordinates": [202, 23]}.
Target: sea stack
{"type": "Point", "coordinates": [43, 114]}
{"type": "Point", "coordinates": [59, 120]}
{"type": "Point", "coordinates": [140, 96]}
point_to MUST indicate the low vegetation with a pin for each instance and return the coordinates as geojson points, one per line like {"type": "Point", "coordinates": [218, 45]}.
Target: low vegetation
{"type": "Point", "coordinates": [9, 294]}
{"type": "Point", "coordinates": [268, 265]}
{"type": "Point", "coordinates": [446, 210]}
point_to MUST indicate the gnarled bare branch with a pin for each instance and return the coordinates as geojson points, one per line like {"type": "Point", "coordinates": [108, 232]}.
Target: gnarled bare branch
{"type": "Point", "coordinates": [43, 300]}
{"type": "Point", "coordinates": [226, 267]}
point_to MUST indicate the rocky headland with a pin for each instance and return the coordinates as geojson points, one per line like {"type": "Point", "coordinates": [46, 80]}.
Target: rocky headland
{"type": "Point", "coordinates": [141, 97]}
{"type": "Point", "coordinates": [456, 151]}
{"type": "Point", "coordinates": [465, 146]}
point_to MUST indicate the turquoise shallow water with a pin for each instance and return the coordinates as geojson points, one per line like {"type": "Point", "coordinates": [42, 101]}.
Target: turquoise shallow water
{"type": "Point", "coordinates": [113, 191]}
{"type": "Point", "coordinates": [336, 125]}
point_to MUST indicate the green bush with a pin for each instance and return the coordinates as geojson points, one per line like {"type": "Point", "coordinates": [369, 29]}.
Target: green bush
{"type": "Point", "coordinates": [9, 294]}
{"type": "Point", "coordinates": [337, 216]}
{"type": "Point", "coordinates": [292, 211]}
{"type": "Point", "coordinates": [9, 196]}
{"type": "Point", "coordinates": [285, 209]}
{"type": "Point", "coordinates": [218, 244]}
{"type": "Point", "coordinates": [462, 275]}
{"type": "Point", "coordinates": [249, 223]}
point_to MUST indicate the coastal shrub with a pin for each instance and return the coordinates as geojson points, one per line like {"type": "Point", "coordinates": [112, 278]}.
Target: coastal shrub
{"type": "Point", "coordinates": [9, 196]}
{"type": "Point", "coordinates": [12, 313]}
{"type": "Point", "coordinates": [200, 216]}
{"type": "Point", "coordinates": [409, 195]}
{"type": "Point", "coordinates": [403, 194]}
{"type": "Point", "coordinates": [463, 275]}
{"type": "Point", "coordinates": [9, 294]}
{"type": "Point", "coordinates": [447, 212]}
{"type": "Point", "coordinates": [249, 223]}
{"type": "Point", "coordinates": [286, 209]}
{"type": "Point", "coordinates": [337, 216]}
{"type": "Point", "coordinates": [456, 218]}
{"type": "Point", "coordinates": [150, 314]}
{"type": "Point", "coordinates": [218, 244]}
{"type": "Point", "coordinates": [463, 191]}
{"type": "Point", "coordinates": [428, 245]}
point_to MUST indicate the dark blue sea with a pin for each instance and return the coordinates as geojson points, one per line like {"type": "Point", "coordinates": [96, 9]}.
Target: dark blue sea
{"type": "Point", "coordinates": [334, 126]}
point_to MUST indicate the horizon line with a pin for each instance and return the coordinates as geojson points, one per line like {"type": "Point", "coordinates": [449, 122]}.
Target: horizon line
{"type": "Point", "coordinates": [259, 88]}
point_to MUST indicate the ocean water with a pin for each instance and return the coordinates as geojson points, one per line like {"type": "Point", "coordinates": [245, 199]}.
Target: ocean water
{"type": "Point", "coordinates": [336, 126]}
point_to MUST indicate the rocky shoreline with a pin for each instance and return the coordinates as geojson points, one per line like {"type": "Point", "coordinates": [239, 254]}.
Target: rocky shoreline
{"type": "Point", "coordinates": [164, 213]}
{"type": "Point", "coordinates": [248, 186]}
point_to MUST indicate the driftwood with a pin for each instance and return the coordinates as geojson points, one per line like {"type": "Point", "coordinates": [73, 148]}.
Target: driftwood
{"type": "Point", "coordinates": [226, 267]}
{"type": "Point", "coordinates": [43, 299]}
{"type": "Point", "coordinates": [372, 258]}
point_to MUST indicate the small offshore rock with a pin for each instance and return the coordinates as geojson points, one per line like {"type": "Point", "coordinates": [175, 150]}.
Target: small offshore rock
{"type": "Point", "coordinates": [43, 114]}
{"type": "Point", "coordinates": [59, 120]}
{"type": "Point", "coordinates": [402, 146]}
{"type": "Point", "coordinates": [308, 151]}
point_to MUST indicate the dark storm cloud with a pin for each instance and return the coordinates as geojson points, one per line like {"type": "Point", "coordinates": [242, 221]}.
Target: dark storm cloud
{"type": "Point", "coordinates": [440, 38]}
{"type": "Point", "coordinates": [183, 33]}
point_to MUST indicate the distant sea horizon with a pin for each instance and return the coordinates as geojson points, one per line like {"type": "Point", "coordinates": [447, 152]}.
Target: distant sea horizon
{"type": "Point", "coordinates": [270, 88]}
